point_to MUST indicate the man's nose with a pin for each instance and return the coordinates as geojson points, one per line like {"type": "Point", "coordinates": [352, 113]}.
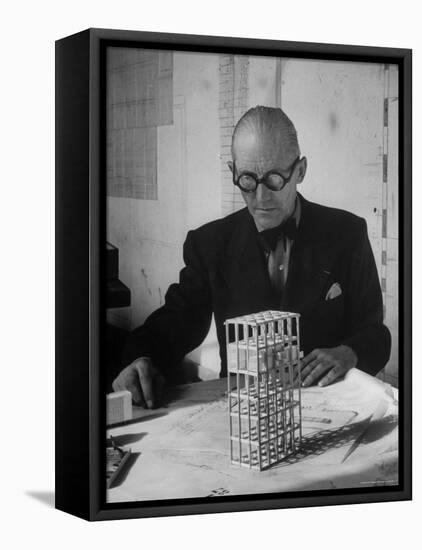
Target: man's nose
{"type": "Point", "coordinates": [263, 194]}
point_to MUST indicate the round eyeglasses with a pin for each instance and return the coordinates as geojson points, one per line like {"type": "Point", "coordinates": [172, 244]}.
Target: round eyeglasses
{"type": "Point", "coordinates": [273, 180]}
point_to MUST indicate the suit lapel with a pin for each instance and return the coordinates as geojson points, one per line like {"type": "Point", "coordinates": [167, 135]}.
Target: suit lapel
{"type": "Point", "coordinates": [310, 262]}
{"type": "Point", "coordinates": [244, 269]}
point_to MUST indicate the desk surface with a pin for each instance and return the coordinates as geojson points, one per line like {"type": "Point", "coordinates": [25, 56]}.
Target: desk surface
{"type": "Point", "coordinates": [181, 451]}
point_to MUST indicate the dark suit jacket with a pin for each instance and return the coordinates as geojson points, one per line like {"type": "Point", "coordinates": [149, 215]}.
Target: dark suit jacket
{"type": "Point", "coordinates": [225, 273]}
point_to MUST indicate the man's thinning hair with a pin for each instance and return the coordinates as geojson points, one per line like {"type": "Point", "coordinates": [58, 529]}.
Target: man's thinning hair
{"type": "Point", "coordinates": [266, 123]}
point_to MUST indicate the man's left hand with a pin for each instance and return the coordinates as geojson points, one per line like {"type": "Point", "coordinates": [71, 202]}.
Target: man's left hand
{"type": "Point", "coordinates": [327, 365]}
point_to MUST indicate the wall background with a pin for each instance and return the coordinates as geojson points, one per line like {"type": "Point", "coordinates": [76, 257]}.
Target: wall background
{"type": "Point", "coordinates": [346, 117]}
{"type": "Point", "coordinates": [27, 229]}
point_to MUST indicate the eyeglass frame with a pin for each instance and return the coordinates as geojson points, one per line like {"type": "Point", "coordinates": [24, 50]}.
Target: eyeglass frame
{"type": "Point", "coordinates": [264, 177]}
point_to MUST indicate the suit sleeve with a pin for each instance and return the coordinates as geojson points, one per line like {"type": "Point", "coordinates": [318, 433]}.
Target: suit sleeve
{"type": "Point", "coordinates": [368, 336]}
{"type": "Point", "coordinates": [182, 323]}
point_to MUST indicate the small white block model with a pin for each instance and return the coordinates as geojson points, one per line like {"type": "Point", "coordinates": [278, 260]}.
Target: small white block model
{"type": "Point", "coordinates": [263, 364]}
{"type": "Point", "coordinates": [119, 407]}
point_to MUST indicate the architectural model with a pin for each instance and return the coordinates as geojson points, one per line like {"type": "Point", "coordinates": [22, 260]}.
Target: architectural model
{"type": "Point", "coordinates": [263, 363]}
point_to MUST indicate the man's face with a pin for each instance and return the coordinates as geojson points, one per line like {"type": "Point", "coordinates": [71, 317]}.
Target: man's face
{"type": "Point", "coordinates": [268, 208]}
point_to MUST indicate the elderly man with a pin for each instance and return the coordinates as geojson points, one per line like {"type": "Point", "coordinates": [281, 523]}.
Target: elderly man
{"type": "Point", "coordinates": [280, 252]}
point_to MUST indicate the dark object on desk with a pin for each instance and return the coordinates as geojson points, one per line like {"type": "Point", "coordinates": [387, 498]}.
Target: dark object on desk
{"type": "Point", "coordinates": [112, 262]}
{"type": "Point", "coordinates": [116, 459]}
{"type": "Point", "coordinates": [117, 293]}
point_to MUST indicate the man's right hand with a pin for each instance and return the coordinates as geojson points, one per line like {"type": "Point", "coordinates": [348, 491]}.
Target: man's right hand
{"type": "Point", "coordinates": [143, 381]}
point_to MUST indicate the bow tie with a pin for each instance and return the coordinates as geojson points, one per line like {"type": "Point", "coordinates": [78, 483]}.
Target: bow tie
{"type": "Point", "coordinates": [270, 237]}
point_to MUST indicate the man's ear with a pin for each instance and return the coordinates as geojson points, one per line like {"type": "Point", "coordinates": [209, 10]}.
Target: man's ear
{"type": "Point", "coordinates": [230, 165]}
{"type": "Point", "coordinates": [301, 170]}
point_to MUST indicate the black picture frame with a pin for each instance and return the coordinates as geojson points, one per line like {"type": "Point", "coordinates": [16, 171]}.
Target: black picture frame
{"type": "Point", "coordinates": [80, 234]}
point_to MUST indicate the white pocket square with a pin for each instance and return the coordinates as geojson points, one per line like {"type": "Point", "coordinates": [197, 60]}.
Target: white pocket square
{"type": "Point", "coordinates": [334, 291]}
